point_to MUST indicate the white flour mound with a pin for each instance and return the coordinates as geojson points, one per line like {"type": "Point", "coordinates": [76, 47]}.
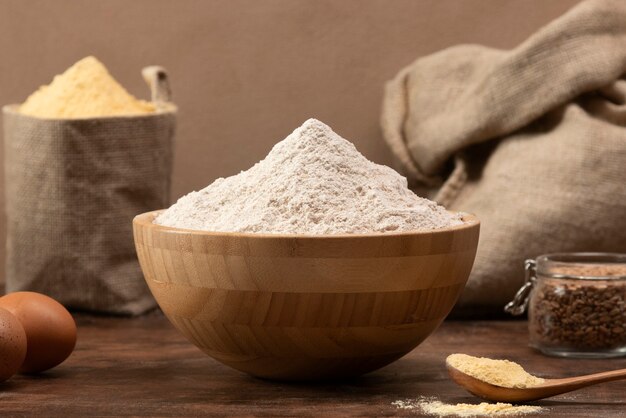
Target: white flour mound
{"type": "Point", "coordinates": [312, 182]}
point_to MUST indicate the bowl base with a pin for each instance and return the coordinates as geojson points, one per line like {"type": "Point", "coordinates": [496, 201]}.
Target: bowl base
{"type": "Point", "coordinates": [295, 370]}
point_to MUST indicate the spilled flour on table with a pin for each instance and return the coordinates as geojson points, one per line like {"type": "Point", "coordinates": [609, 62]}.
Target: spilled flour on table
{"type": "Point", "coordinates": [434, 407]}
{"type": "Point", "coordinates": [312, 182]}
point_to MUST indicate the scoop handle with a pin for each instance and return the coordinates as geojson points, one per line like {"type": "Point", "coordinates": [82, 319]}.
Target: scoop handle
{"type": "Point", "coordinates": [587, 380]}
{"type": "Point", "coordinates": [156, 77]}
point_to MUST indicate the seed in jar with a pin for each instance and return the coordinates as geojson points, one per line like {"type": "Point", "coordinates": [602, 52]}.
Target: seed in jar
{"type": "Point", "coordinates": [582, 314]}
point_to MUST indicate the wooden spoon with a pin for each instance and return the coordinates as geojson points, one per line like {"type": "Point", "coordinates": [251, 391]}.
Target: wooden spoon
{"type": "Point", "coordinates": [550, 387]}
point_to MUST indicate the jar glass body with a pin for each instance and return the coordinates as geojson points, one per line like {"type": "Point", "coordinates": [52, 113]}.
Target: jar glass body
{"type": "Point", "coordinates": [577, 306]}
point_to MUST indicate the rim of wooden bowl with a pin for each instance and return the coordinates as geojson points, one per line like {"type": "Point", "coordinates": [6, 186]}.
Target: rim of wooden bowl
{"type": "Point", "coordinates": [146, 220]}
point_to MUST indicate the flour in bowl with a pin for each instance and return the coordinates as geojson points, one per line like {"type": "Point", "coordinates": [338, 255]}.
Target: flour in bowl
{"type": "Point", "coordinates": [312, 182]}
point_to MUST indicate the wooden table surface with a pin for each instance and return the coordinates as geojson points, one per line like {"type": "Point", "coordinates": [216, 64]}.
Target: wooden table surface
{"type": "Point", "coordinates": [143, 367]}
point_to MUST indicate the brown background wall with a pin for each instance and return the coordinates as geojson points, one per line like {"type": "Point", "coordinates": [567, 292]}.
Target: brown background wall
{"type": "Point", "coordinates": [245, 73]}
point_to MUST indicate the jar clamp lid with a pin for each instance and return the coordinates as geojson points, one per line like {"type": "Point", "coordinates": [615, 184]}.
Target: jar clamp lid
{"type": "Point", "coordinates": [548, 265]}
{"type": "Point", "coordinates": [520, 302]}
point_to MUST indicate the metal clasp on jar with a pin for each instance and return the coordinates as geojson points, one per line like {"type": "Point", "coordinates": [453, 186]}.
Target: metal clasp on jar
{"type": "Point", "coordinates": [520, 302]}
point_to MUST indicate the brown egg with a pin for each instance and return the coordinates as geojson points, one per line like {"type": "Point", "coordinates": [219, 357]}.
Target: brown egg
{"type": "Point", "coordinates": [50, 329]}
{"type": "Point", "coordinates": [12, 344]}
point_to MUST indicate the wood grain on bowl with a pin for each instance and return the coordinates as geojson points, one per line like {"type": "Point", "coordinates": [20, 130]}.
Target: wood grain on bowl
{"type": "Point", "coordinates": [305, 307]}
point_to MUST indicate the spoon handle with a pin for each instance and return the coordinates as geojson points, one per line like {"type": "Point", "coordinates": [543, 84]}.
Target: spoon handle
{"type": "Point", "coordinates": [587, 380]}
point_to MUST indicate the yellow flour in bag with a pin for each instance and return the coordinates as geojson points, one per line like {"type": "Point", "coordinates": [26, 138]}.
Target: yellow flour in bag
{"type": "Point", "coordinates": [503, 373]}
{"type": "Point", "coordinates": [84, 90]}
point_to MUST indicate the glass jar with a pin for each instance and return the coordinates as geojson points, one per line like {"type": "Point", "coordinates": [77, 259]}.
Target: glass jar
{"type": "Point", "coordinates": [576, 304]}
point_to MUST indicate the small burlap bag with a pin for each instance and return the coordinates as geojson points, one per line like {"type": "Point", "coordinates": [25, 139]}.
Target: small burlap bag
{"type": "Point", "coordinates": [73, 187]}
{"type": "Point", "coordinates": [532, 140]}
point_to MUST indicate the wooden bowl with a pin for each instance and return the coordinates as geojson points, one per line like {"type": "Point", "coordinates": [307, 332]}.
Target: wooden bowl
{"type": "Point", "coordinates": [302, 307]}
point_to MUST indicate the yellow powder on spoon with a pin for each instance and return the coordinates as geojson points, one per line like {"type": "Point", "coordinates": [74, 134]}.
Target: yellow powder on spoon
{"type": "Point", "coordinates": [503, 373]}
{"type": "Point", "coordinates": [84, 90]}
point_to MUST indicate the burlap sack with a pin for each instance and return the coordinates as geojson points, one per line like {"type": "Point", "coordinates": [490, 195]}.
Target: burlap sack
{"type": "Point", "coordinates": [73, 187]}
{"type": "Point", "coordinates": [532, 140]}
